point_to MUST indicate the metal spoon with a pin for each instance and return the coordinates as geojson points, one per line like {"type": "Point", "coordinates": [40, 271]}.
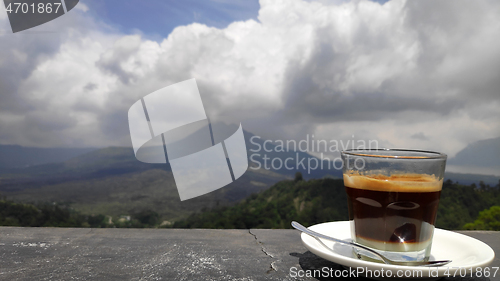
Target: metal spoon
{"type": "Point", "coordinates": [316, 235]}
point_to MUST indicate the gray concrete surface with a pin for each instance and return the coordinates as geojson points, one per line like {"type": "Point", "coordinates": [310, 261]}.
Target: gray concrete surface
{"type": "Point", "coordinates": [164, 254]}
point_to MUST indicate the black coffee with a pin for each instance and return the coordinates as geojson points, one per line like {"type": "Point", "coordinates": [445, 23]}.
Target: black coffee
{"type": "Point", "coordinates": [394, 213]}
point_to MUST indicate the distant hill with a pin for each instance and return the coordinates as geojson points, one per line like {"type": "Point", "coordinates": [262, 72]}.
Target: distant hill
{"type": "Point", "coordinates": [483, 153]}
{"type": "Point", "coordinates": [488, 171]}
{"type": "Point", "coordinates": [478, 161]}
{"type": "Point", "coordinates": [99, 163]}
{"type": "Point", "coordinates": [111, 181]}
{"type": "Point", "coordinates": [322, 200]}
{"type": "Point", "coordinates": [16, 156]}
{"type": "Point", "coordinates": [468, 179]}
{"type": "Point", "coordinates": [481, 157]}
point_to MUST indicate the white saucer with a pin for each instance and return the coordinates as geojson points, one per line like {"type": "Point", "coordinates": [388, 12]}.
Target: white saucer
{"type": "Point", "coordinates": [464, 251]}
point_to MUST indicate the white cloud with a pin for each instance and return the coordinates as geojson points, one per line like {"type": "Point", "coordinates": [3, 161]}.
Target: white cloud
{"type": "Point", "coordinates": [82, 7]}
{"type": "Point", "coordinates": [387, 72]}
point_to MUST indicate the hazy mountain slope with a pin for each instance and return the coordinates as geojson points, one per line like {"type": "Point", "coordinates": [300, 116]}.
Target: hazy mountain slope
{"type": "Point", "coordinates": [111, 181]}
{"type": "Point", "coordinates": [96, 164]}
{"type": "Point", "coordinates": [468, 179]}
{"type": "Point", "coordinates": [481, 157]}
{"type": "Point", "coordinates": [483, 153]}
{"type": "Point", "coordinates": [152, 189]}
{"type": "Point", "coordinates": [16, 156]}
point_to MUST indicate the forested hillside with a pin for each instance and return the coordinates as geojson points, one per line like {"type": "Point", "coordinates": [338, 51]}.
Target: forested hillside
{"type": "Point", "coordinates": [309, 202]}
{"type": "Point", "coordinates": [321, 200]}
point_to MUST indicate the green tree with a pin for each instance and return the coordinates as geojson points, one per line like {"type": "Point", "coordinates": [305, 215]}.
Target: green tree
{"type": "Point", "coordinates": [298, 177]}
{"type": "Point", "coordinates": [147, 217]}
{"type": "Point", "coordinates": [488, 219]}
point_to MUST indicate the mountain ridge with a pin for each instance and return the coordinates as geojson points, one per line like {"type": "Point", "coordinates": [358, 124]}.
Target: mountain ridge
{"type": "Point", "coordinates": [16, 156]}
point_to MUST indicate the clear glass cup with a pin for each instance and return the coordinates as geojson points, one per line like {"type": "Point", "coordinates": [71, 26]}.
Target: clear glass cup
{"type": "Point", "coordinates": [393, 197]}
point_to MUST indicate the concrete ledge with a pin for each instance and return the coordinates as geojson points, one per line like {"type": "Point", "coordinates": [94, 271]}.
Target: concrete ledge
{"type": "Point", "coordinates": [165, 254]}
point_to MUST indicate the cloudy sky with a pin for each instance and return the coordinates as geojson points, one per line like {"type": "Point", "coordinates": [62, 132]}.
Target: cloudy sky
{"type": "Point", "coordinates": [413, 74]}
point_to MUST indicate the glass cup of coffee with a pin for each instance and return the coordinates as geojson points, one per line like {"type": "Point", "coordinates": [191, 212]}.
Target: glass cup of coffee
{"type": "Point", "coordinates": [393, 197]}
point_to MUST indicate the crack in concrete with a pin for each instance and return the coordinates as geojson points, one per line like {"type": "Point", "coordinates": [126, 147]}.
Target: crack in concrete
{"type": "Point", "coordinates": [263, 249]}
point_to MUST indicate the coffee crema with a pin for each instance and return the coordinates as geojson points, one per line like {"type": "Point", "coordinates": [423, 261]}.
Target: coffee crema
{"type": "Point", "coordinates": [396, 182]}
{"type": "Point", "coordinates": [393, 213]}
